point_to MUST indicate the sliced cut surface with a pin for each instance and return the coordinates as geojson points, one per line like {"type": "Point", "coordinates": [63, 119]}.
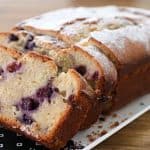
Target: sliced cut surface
{"type": "Point", "coordinates": [66, 58]}
{"type": "Point", "coordinates": [37, 106]}
{"type": "Point", "coordinates": [27, 41]}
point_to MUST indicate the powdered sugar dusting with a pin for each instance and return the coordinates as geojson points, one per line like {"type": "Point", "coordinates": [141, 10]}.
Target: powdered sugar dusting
{"type": "Point", "coordinates": [108, 67]}
{"type": "Point", "coordinates": [55, 20]}
{"type": "Point", "coordinates": [51, 40]}
{"type": "Point", "coordinates": [125, 42]}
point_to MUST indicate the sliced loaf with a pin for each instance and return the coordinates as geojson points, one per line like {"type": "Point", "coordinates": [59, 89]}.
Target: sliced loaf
{"type": "Point", "coordinates": [65, 58]}
{"type": "Point", "coordinates": [37, 102]}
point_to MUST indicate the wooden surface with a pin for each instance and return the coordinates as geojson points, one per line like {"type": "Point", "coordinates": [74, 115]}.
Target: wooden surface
{"type": "Point", "coordinates": [135, 136]}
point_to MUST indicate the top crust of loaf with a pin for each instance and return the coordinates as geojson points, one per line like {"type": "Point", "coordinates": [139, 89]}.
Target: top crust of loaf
{"type": "Point", "coordinates": [42, 58]}
{"type": "Point", "coordinates": [12, 52]}
{"type": "Point", "coordinates": [60, 17]}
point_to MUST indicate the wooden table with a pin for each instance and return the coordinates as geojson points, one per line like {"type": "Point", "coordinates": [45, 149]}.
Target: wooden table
{"type": "Point", "coordinates": [135, 136]}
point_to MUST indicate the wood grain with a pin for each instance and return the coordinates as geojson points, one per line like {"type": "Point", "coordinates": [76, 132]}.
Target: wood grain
{"type": "Point", "coordinates": [135, 136]}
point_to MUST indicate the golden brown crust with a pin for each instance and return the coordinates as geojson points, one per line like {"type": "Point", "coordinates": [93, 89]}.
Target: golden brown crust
{"type": "Point", "coordinates": [37, 31]}
{"type": "Point", "coordinates": [4, 34]}
{"type": "Point", "coordinates": [42, 58]}
{"type": "Point", "coordinates": [132, 86]}
{"type": "Point", "coordinates": [95, 106]}
{"type": "Point", "coordinates": [12, 52]}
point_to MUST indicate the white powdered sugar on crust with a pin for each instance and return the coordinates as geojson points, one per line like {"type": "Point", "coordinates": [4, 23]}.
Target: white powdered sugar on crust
{"type": "Point", "coordinates": [51, 40]}
{"type": "Point", "coordinates": [137, 11]}
{"type": "Point", "coordinates": [108, 67]}
{"type": "Point", "coordinates": [128, 44]}
{"type": "Point", "coordinates": [53, 21]}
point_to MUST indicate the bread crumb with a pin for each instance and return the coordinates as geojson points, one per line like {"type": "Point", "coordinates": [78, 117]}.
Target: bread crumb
{"type": "Point", "coordinates": [103, 132]}
{"type": "Point", "coordinates": [115, 124]}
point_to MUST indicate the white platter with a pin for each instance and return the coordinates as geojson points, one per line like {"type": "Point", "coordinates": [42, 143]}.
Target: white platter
{"type": "Point", "coordinates": [108, 125]}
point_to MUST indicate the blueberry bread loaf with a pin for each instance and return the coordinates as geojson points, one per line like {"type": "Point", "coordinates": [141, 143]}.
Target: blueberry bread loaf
{"type": "Point", "coordinates": [109, 47]}
{"type": "Point", "coordinates": [57, 40]}
{"type": "Point", "coordinates": [119, 33]}
{"type": "Point", "coordinates": [38, 102]}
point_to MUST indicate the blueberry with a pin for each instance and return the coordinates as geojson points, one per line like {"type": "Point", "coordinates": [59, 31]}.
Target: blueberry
{"type": "Point", "coordinates": [41, 92]}
{"type": "Point", "coordinates": [30, 37]}
{"type": "Point", "coordinates": [13, 67]}
{"type": "Point", "coordinates": [1, 71]}
{"type": "Point", "coordinates": [81, 69]}
{"type": "Point", "coordinates": [27, 119]}
{"type": "Point", "coordinates": [13, 37]}
{"type": "Point", "coordinates": [29, 45]}
{"type": "Point", "coordinates": [56, 90]}
{"type": "Point", "coordinates": [45, 92]}
{"type": "Point", "coordinates": [49, 92]}
{"type": "Point", "coordinates": [29, 104]}
{"type": "Point", "coordinates": [95, 75]}
{"type": "Point", "coordinates": [71, 97]}
{"type": "Point", "coordinates": [71, 101]}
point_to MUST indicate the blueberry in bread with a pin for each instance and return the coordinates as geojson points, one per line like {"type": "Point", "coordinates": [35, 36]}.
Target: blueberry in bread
{"type": "Point", "coordinates": [37, 101]}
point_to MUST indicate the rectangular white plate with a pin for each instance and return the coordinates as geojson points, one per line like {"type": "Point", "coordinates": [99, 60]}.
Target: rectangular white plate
{"type": "Point", "coordinates": [102, 130]}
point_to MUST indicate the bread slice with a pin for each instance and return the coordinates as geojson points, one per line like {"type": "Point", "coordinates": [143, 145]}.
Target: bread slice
{"type": "Point", "coordinates": [109, 72]}
{"type": "Point", "coordinates": [37, 102]}
{"type": "Point", "coordinates": [65, 58]}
